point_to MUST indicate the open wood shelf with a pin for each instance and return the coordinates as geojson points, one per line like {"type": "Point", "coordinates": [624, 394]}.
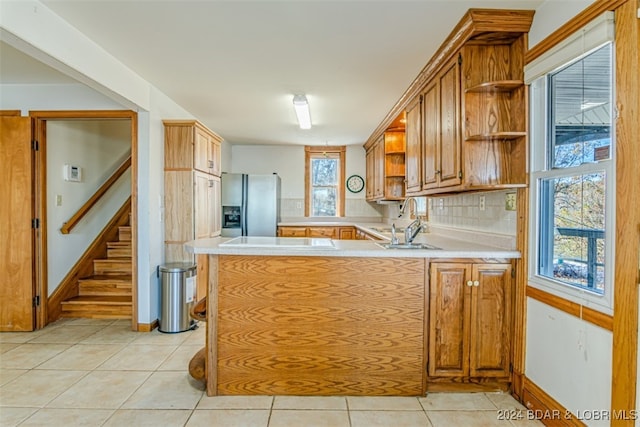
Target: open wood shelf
{"type": "Point", "coordinates": [496, 86]}
{"type": "Point", "coordinates": [496, 136]}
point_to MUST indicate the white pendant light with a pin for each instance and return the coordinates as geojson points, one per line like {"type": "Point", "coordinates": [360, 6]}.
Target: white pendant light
{"type": "Point", "coordinates": [301, 106]}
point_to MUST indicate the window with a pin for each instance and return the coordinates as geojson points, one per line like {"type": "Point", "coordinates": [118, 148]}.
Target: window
{"type": "Point", "coordinates": [573, 176]}
{"type": "Point", "coordinates": [324, 181]}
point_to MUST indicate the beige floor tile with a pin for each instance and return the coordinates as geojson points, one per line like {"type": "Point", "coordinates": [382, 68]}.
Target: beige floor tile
{"type": "Point", "coordinates": [37, 388]}
{"type": "Point", "coordinates": [466, 418]}
{"type": "Point", "coordinates": [7, 375]}
{"type": "Point", "coordinates": [505, 401]}
{"type": "Point", "coordinates": [10, 417]}
{"type": "Point", "coordinates": [148, 418]}
{"type": "Point", "coordinates": [235, 402]}
{"type": "Point", "coordinates": [165, 390]}
{"type": "Point", "coordinates": [112, 334]}
{"type": "Point", "coordinates": [229, 417]}
{"type": "Point", "coordinates": [6, 346]}
{"type": "Point", "coordinates": [91, 322]}
{"type": "Point", "coordinates": [526, 422]}
{"type": "Point", "coordinates": [179, 359]}
{"type": "Point", "coordinates": [389, 419]}
{"type": "Point", "coordinates": [138, 358]}
{"type": "Point", "coordinates": [68, 417]}
{"type": "Point", "coordinates": [101, 390]}
{"type": "Point", "coordinates": [19, 337]}
{"type": "Point", "coordinates": [456, 401]}
{"type": "Point", "coordinates": [28, 356]}
{"type": "Point", "coordinates": [156, 337]}
{"type": "Point", "coordinates": [383, 403]}
{"type": "Point", "coordinates": [84, 357]}
{"type": "Point", "coordinates": [309, 418]}
{"type": "Point", "coordinates": [67, 334]}
{"type": "Point", "coordinates": [310, 402]}
{"type": "Point", "coordinates": [197, 336]}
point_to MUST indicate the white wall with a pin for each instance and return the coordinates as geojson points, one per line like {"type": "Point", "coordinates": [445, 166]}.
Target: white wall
{"type": "Point", "coordinates": [31, 27]}
{"type": "Point", "coordinates": [570, 359]}
{"type": "Point", "coordinates": [288, 163]}
{"type": "Point", "coordinates": [99, 148]}
{"type": "Point", "coordinates": [551, 15]}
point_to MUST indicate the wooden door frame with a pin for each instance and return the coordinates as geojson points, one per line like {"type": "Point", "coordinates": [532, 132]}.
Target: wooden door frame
{"type": "Point", "coordinates": [39, 132]}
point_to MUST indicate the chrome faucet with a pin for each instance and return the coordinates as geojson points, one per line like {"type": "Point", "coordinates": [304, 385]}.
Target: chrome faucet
{"type": "Point", "coordinates": [412, 230]}
{"type": "Point", "coordinates": [394, 237]}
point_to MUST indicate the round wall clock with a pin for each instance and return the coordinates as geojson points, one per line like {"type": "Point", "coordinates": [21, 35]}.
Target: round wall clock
{"type": "Point", "coordinates": [355, 183]}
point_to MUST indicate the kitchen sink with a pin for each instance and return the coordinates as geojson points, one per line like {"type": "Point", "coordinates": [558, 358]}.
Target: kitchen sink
{"type": "Point", "coordinates": [408, 246]}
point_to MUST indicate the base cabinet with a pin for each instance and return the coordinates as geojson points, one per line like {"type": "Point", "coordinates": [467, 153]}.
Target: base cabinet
{"type": "Point", "coordinates": [341, 233]}
{"type": "Point", "coordinates": [469, 322]}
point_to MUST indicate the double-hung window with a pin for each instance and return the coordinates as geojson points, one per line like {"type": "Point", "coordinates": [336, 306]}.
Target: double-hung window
{"type": "Point", "coordinates": [573, 168]}
{"type": "Point", "coordinates": [324, 176]}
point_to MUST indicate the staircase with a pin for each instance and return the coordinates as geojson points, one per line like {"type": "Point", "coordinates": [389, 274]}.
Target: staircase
{"type": "Point", "coordinates": [107, 293]}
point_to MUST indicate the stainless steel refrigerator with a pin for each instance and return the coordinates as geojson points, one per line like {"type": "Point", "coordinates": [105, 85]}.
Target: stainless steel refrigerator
{"type": "Point", "coordinates": [250, 204]}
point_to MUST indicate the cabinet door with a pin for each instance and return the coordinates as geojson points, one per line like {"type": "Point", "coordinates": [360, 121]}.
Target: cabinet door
{"type": "Point", "coordinates": [413, 139]}
{"type": "Point", "coordinates": [430, 135]}
{"type": "Point", "coordinates": [216, 209]}
{"type": "Point", "coordinates": [203, 205]}
{"type": "Point", "coordinates": [449, 319]}
{"type": "Point", "coordinates": [292, 231]}
{"type": "Point", "coordinates": [490, 320]}
{"type": "Point", "coordinates": [215, 158]}
{"type": "Point", "coordinates": [329, 232]}
{"type": "Point", "coordinates": [202, 151]}
{"type": "Point", "coordinates": [346, 233]}
{"type": "Point", "coordinates": [370, 178]}
{"type": "Point", "coordinates": [450, 144]}
{"type": "Point", "coordinates": [378, 153]}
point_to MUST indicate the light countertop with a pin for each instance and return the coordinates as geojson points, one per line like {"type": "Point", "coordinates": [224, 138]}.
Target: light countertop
{"type": "Point", "coordinates": [449, 247]}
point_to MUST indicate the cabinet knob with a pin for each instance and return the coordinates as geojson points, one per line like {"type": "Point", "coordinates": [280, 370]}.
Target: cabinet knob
{"type": "Point", "coordinates": [437, 172]}
{"type": "Point", "coordinates": [476, 283]}
{"type": "Point", "coordinates": [210, 164]}
{"type": "Point", "coordinates": [469, 283]}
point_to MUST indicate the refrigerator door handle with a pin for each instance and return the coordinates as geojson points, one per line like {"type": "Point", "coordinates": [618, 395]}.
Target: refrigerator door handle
{"type": "Point", "coordinates": [245, 187]}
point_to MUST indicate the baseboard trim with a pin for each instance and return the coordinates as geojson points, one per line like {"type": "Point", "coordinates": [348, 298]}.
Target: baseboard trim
{"type": "Point", "coordinates": [148, 327]}
{"type": "Point", "coordinates": [541, 406]}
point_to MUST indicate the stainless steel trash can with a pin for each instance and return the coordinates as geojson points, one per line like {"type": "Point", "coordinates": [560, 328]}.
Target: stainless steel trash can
{"type": "Point", "coordinates": [178, 294]}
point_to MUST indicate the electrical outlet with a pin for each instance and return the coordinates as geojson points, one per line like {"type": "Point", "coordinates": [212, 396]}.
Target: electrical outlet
{"type": "Point", "coordinates": [482, 203]}
{"type": "Point", "coordinates": [441, 204]}
{"type": "Point", "coordinates": [59, 200]}
{"type": "Point", "coordinates": [510, 202]}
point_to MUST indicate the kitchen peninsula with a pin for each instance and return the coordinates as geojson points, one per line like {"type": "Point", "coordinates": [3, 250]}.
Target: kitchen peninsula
{"type": "Point", "coordinates": [301, 316]}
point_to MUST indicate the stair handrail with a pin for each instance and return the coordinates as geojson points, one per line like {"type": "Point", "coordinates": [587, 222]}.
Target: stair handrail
{"type": "Point", "coordinates": [84, 209]}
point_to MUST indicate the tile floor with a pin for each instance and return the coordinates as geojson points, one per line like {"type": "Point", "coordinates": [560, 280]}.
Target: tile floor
{"type": "Point", "coordinates": [80, 372]}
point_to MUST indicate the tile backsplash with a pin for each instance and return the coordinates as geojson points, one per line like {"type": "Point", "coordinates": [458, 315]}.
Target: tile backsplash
{"type": "Point", "coordinates": [294, 208]}
{"type": "Point", "coordinates": [463, 211]}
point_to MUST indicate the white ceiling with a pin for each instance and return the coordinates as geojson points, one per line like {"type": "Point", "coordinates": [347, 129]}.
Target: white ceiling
{"type": "Point", "coordinates": [235, 65]}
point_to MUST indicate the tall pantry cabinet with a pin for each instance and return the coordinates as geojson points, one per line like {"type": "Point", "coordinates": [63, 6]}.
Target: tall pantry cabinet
{"type": "Point", "coordinates": [191, 186]}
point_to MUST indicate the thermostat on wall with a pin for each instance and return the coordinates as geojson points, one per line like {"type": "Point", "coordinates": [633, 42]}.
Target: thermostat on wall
{"type": "Point", "coordinates": [72, 173]}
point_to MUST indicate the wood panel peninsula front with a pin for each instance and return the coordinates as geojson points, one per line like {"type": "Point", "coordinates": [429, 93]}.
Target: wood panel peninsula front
{"type": "Point", "coordinates": [302, 316]}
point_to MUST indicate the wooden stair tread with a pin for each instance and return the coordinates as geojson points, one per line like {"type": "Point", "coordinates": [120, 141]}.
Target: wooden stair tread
{"type": "Point", "coordinates": [119, 244]}
{"type": "Point", "coordinates": [122, 278]}
{"type": "Point", "coordinates": [98, 300]}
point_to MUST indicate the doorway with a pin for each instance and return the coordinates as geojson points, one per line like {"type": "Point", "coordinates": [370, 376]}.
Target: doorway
{"type": "Point", "coordinates": [42, 197]}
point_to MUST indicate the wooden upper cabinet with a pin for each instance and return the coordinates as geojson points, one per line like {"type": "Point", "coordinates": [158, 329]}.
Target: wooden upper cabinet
{"type": "Point", "coordinates": [449, 147]}
{"type": "Point", "coordinates": [370, 172]}
{"type": "Point", "coordinates": [378, 175]}
{"type": "Point", "coordinates": [413, 141]}
{"type": "Point", "coordinates": [385, 163]}
{"type": "Point", "coordinates": [470, 321]}
{"type": "Point", "coordinates": [474, 108]}
{"type": "Point", "coordinates": [193, 147]}
{"type": "Point", "coordinates": [431, 135]}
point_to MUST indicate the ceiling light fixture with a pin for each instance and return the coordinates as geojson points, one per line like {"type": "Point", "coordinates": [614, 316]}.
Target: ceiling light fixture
{"type": "Point", "coordinates": [301, 105]}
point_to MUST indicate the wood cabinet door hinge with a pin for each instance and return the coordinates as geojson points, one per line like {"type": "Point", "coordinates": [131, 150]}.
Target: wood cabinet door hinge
{"type": "Point", "coordinates": [459, 59]}
{"type": "Point", "coordinates": [513, 273]}
{"type": "Point", "coordinates": [35, 223]}
{"type": "Point", "coordinates": [35, 146]}
{"type": "Point", "coordinates": [460, 174]}
{"type": "Point", "coordinates": [36, 301]}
